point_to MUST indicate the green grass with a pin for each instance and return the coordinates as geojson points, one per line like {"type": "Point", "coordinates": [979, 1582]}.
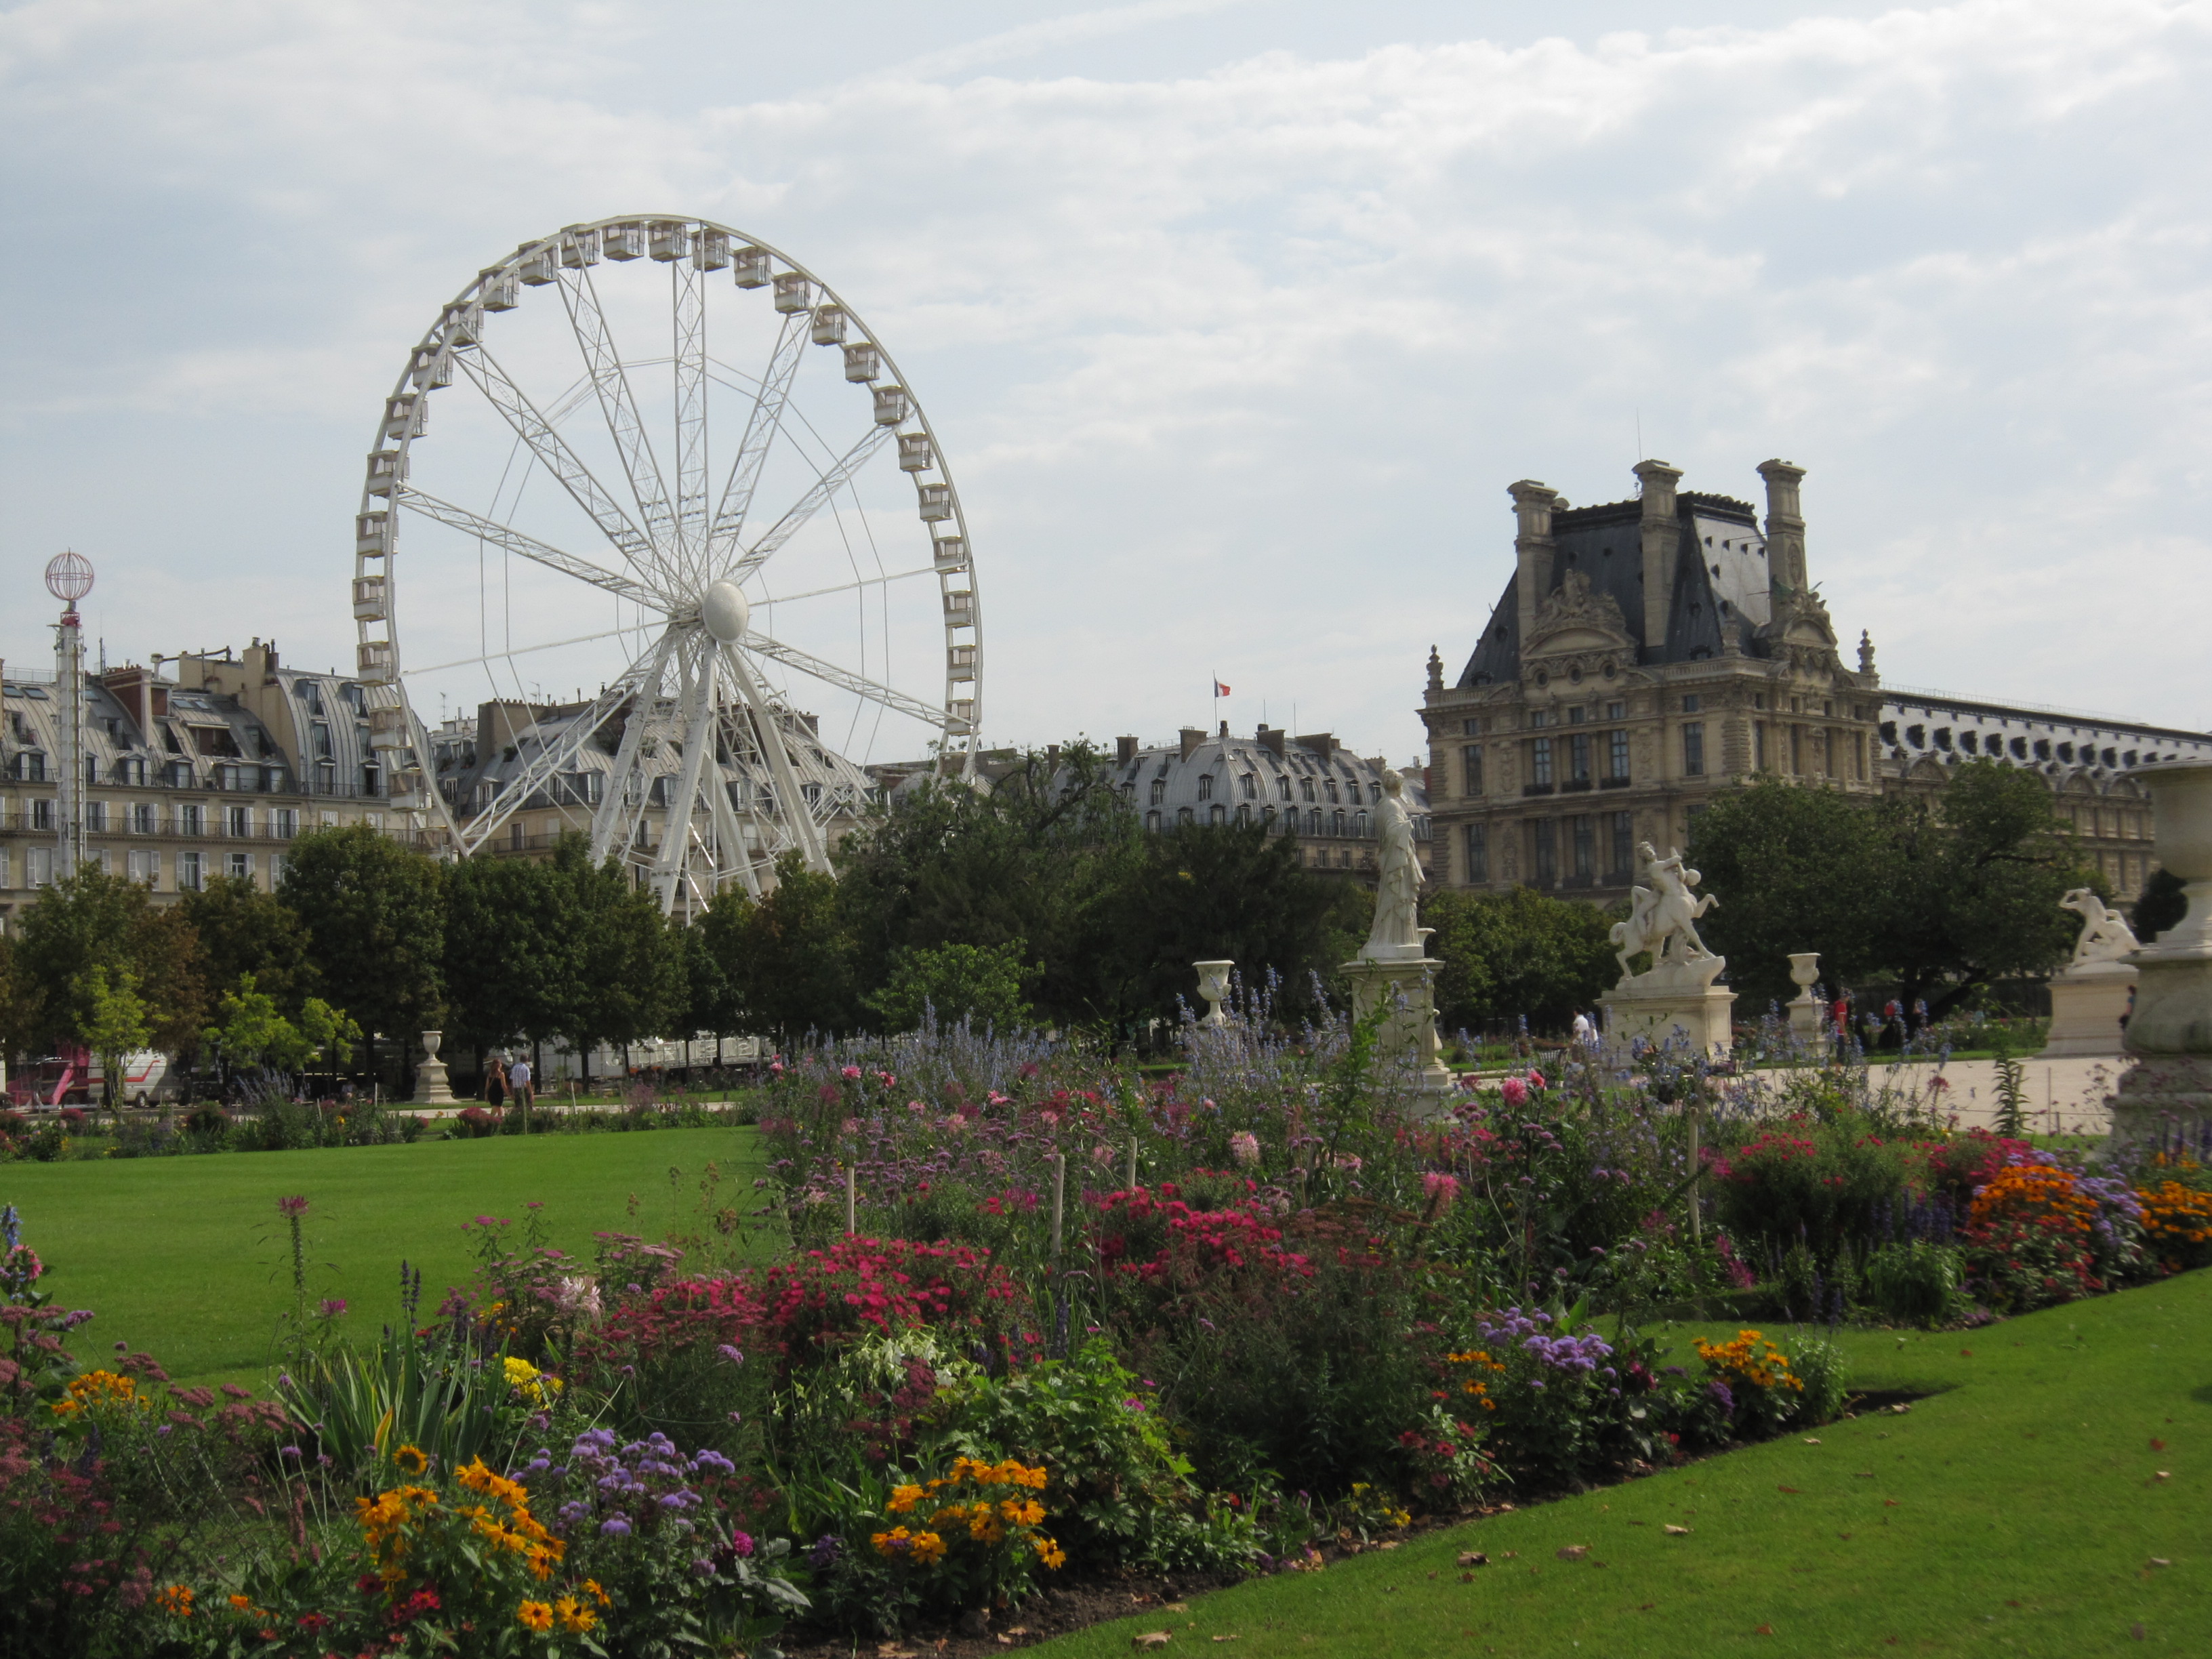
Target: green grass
{"type": "Point", "coordinates": [187, 1258]}
{"type": "Point", "coordinates": [2014, 1513]}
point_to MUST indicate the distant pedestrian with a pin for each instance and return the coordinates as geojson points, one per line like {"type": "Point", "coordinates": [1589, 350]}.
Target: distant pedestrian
{"type": "Point", "coordinates": [518, 1082]}
{"type": "Point", "coordinates": [1585, 1033]}
{"type": "Point", "coordinates": [495, 1082]}
{"type": "Point", "coordinates": [1839, 1017]}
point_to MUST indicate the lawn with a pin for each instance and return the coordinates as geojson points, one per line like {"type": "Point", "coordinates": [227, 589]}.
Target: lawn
{"type": "Point", "coordinates": [186, 1257]}
{"type": "Point", "coordinates": [2017, 1512]}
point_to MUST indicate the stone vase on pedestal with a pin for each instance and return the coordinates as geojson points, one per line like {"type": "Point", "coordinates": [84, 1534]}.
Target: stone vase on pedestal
{"type": "Point", "coordinates": [1675, 1002]}
{"type": "Point", "coordinates": [2170, 1035]}
{"type": "Point", "coordinates": [1402, 978]}
{"type": "Point", "coordinates": [1805, 1009]}
{"type": "Point", "coordinates": [431, 1088]}
{"type": "Point", "coordinates": [1213, 985]}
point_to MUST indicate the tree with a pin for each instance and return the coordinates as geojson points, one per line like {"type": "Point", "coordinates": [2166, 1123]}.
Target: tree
{"type": "Point", "coordinates": [1968, 885]}
{"type": "Point", "coordinates": [785, 960]}
{"type": "Point", "coordinates": [981, 984]}
{"type": "Point", "coordinates": [91, 920]}
{"type": "Point", "coordinates": [510, 965]}
{"type": "Point", "coordinates": [1201, 892]}
{"type": "Point", "coordinates": [1516, 954]}
{"type": "Point", "coordinates": [117, 1024]}
{"type": "Point", "coordinates": [244, 930]}
{"type": "Point", "coordinates": [251, 1031]}
{"type": "Point", "coordinates": [2162, 905]}
{"type": "Point", "coordinates": [374, 912]}
{"type": "Point", "coordinates": [1794, 868]}
{"type": "Point", "coordinates": [624, 962]}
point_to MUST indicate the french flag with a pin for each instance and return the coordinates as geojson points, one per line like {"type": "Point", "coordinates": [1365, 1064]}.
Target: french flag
{"type": "Point", "coordinates": [1219, 690]}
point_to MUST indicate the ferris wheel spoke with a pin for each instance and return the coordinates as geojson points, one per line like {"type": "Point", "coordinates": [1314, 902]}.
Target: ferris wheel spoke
{"type": "Point", "coordinates": [770, 733]}
{"type": "Point", "coordinates": [619, 404]}
{"type": "Point", "coordinates": [552, 452]}
{"type": "Point", "coordinates": [542, 766]}
{"type": "Point", "coordinates": [761, 427]}
{"type": "Point", "coordinates": [853, 587]}
{"type": "Point", "coordinates": [500, 535]}
{"type": "Point", "coordinates": [845, 680]}
{"type": "Point", "coordinates": [812, 503]}
{"type": "Point", "coordinates": [690, 376]}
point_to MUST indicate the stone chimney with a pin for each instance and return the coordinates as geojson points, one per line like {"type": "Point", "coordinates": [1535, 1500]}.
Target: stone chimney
{"type": "Point", "coordinates": [1192, 737]}
{"type": "Point", "coordinates": [1532, 547]}
{"type": "Point", "coordinates": [1320, 743]}
{"type": "Point", "coordinates": [1270, 738]}
{"type": "Point", "coordinates": [1662, 538]}
{"type": "Point", "coordinates": [1785, 528]}
{"type": "Point", "coordinates": [1125, 751]}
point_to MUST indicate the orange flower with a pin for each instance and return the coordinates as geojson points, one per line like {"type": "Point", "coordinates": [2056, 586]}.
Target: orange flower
{"type": "Point", "coordinates": [535, 1615]}
{"type": "Point", "coordinates": [177, 1598]}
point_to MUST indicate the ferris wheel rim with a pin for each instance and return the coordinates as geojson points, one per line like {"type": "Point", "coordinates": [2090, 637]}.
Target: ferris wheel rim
{"type": "Point", "coordinates": [441, 344]}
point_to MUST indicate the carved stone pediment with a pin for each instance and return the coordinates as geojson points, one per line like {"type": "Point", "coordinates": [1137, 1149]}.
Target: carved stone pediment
{"type": "Point", "coordinates": [1578, 619]}
{"type": "Point", "coordinates": [1800, 620]}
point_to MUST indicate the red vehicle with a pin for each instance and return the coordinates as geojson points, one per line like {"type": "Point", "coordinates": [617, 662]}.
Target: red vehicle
{"type": "Point", "coordinates": [73, 1077]}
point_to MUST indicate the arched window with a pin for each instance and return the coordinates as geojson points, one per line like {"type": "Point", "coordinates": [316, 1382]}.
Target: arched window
{"type": "Point", "coordinates": [1220, 815]}
{"type": "Point", "coordinates": [1184, 815]}
{"type": "Point", "coordinates": [1359, 824]}
{"type": "Point", "coordinates": [1268, 817]}
{"type": "Point", "coordinates": [1336, 822]}
{"type": "Point", "coordinates": [1283, 786]}
{"type": "Point", "coordinates": [1313, 821]}
{"type": "Point", "coordinates": [1243, 813]}
{"type": "Point", "coordinates": [1205, 786]}
{"type": "Point", "coordinates": [1159, 790]}
{"type": "Point", "coordinates": [1374, 792]}
{"type": "Point", "coordinates": [1251, 787]}
{"type": "Point", "coordinates": [1330, 786]}
{"type": "Point", "coordinates": [1305, 788]}
{"type": "Point", "coordinates": [1152, 822]}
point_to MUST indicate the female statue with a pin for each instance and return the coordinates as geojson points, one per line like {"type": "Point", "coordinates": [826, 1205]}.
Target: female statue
{"type": "Point", "coordinates": [1398, 890]}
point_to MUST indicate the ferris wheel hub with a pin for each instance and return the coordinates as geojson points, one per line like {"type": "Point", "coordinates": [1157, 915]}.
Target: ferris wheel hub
{"type": "Point", "coordinates": [725, 611]}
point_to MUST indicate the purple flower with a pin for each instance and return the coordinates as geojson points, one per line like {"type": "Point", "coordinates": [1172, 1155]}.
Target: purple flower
{"type": "Point", "coordinates": [1720, 1395]}
{"type": "Point", "coordinates": [741, 1543]}
{"type": "Point", "coordinates": [733, 1355]}
{"type": "Point", "coordinates": [616, 1526]}
{"type": "Point", "coordinates": [287, 1451]}
{"type": "Point", "coordinates": [331, 1307]}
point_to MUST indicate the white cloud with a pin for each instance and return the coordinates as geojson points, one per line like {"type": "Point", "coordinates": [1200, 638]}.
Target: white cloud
{"type": "Point", "coordinates": [1233, 366]}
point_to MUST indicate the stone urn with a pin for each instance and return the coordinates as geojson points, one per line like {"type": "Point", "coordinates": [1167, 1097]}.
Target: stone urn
{"type": "Point", "coordinates": [2170, 1032]}
{"type": "Point", "coordinates": [1805, 1007]}
{"type": "Point", "coordinates": [431, 1087]}
{"type": "Point", "coordinates": [1213, 986]}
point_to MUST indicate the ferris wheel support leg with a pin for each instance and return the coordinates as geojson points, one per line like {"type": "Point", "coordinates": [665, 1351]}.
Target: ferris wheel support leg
{"type": "Point", "coordinates": [804, 830]}
{"type": "Point", "coordinates": [729, 851]}
{"type": "Point", "coordinates": [607, 820]}
{"type": "Point", "coordinates": [669, 869]}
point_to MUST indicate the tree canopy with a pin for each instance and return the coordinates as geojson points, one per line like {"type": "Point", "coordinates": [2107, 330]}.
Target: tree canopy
{"type": "Point", "coordinates": [376, 919]}
{"type": "Point", "coordinates": [92, 920]}
{"type": "Point", "coordinates": [1516, 953]}
{"type": "Point", "coordinates": [245, 930]}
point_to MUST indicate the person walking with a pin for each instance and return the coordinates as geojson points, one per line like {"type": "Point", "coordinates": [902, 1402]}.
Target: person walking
{"type": "Point", "coordinates": [518, 1082]}
{"type": "Point", "coordinates": [1585, 1033]}
{"type": "Point", "coordinates": [495, 1082]}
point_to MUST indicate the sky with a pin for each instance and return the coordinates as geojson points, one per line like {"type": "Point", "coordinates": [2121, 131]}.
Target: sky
{"type": "Point", "coordinates": [1234, 318]}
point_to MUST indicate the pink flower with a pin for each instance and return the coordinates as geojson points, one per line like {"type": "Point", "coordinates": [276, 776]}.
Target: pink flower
{"type": "Point", "coordinates": [1515, 1091]}
{"type": "Point", "coordinates": [1441, 1189]}
{"type": "Point", "coordinates": [1102, 1155]}
{"type": "Point", "coordinates": [1348, 1161]}
{"type": "Point", "coordinates": [1536, 1080]}
{"type": "Point", "coordinates": [1244, 1148]}
{"type": "Point", "coordinates": [290, 1207]}
{"type": "Point", "coordinates": [851, 1074]}
{"type": "Point", "coordinates": [917, 1108]}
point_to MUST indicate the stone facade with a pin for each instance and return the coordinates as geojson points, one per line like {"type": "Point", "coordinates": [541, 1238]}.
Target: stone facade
{"type": "Point", "coordinates": [1647, 654]}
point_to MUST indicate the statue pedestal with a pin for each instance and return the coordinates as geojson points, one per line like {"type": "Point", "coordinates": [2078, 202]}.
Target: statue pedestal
{"type": "Point", "coordinates": [2171, 1032]}
{"type": "Point", "coordinates": [1382, 974]}
{"type": "Point", "coordinates": [2086, 1004]}
{"type": "Point", "coordinates": [1675, 1002]}
{"type": "Point", "coordinates": [431, 1088]}
{"type": "Point", "coordinates": [1807, 1011]}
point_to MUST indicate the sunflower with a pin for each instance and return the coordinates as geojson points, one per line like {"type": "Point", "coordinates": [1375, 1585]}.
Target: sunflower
{"type": "Point", "coordinates": [412, 1459]}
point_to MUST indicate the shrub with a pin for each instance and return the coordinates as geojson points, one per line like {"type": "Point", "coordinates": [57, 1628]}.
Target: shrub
{"type": "Point", "coordinates": [2177, 1222]}
{"type": "Point", "coordinates": [1752, 1382]}
{"type": "Point", "coordinates": [1914, 1283]}
{"type": "Point", "coordinates": [1823, 1184]}
{"type": "Point", "coordinates": [2028, 1239]}
{"type": "Point", "coordinates": [973, 1537]}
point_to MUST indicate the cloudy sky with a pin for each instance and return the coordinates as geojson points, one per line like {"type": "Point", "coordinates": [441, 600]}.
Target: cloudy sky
{"type": "Point", "coordinates": [1234, 320]}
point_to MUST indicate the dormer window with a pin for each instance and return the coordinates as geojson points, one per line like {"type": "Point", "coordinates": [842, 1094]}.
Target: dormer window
{"type": "Point", "coordinates": [1159, 791]}
{"type": "Point", "coordinates": [1205, 786]}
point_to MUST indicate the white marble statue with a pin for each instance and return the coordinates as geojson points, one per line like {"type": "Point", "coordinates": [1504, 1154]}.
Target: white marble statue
{"type": "Point", "coordinates": [1662, 915]}
{"type": "Point", "coordinates": [2105, 935]}
{"type": "Point", "coordinates": [1398, 887]}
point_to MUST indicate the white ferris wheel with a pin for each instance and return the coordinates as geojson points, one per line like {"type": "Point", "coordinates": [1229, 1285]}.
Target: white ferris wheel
{"type": "Point", "coordinates": [641, 478]}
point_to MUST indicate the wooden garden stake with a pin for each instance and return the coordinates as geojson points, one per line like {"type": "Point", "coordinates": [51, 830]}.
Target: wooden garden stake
{"type": "Point", "coordinates": [1132, 1183]}
{"type": "Point", "coordinates": [1697, 1220]}
{"type": "Point", "coordinates": [851, 1199]}
{"type": "Point", "coordinates": [1059, 1202]}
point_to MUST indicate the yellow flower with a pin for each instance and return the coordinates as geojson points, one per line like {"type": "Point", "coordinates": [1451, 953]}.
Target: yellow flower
{"type": "Point", "coordinates": [903, 1498]}
{"type": "Point", "coordinates": [574, 1615]}
{"type": "Point", "coordinates": [928, 1548]}
{"type": "Point", "coordinates": [535, 1615]}
{"type": "Point", "coordinates": [412, 1459]}
{"type": "Point", "coordinates": [1051, 1553]}
{"type": "Point", "coordinates": [592, 1589]}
